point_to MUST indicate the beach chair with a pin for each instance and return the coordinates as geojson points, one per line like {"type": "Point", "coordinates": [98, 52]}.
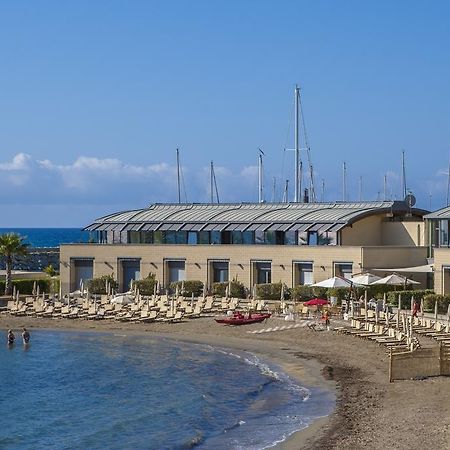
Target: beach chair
{"type": "Point", "coordinates": [48, 312]}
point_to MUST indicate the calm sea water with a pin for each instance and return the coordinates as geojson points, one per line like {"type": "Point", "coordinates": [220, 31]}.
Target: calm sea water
{"type": "Point", "coordinates": [74, 390]}
{"type": "Point", "coordinates": [49, 237]}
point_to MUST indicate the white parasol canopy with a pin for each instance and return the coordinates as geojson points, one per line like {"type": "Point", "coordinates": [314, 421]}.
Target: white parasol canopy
{"type": "Point", "coordinates": [122, 299]}
{"type": "Point", "coordinates": [365, 279]}
{"type": "Point", "coordinates": [395, 280]}
{"type": "Point", "coordinates": [334, 282]}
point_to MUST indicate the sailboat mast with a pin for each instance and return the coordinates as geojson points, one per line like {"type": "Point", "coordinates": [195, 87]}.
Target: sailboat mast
{"type": "Point", "coordinates": [344, 182]}
{"type": "Point", "coordinates": [260, 176]}
{"type": "Point", "coordinates": [211, 182]}
{"type": "Point", "coordinates": [403, 175]}
{"type": "Point", "coordinates": [178, 175]}
{"type": "Point", "coordinates": [297, 192]}
{"type": "Point", "coordinates": [286, 193]}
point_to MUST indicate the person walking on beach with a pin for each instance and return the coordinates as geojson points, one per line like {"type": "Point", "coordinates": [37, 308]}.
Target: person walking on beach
{"type": "Point", "coordinates": [326, 317]}
{"type": "Point", "coordinates": [416, 308]}
{"type": "Point", "coordinates": [10, 337]}
{"type": "Point", "coordinates": [26, 336]}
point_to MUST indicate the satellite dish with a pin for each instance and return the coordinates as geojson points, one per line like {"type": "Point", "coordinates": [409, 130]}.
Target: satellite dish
{"type": "Point", "coordinates": [410, 200]}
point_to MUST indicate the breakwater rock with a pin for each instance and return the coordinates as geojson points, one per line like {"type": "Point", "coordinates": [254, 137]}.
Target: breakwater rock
{"type": "Point", "coordinates": [37, 259]}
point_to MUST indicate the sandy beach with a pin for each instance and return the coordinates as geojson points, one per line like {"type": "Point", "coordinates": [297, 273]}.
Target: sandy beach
{"type": "Point", "coordinates": [371, 413]}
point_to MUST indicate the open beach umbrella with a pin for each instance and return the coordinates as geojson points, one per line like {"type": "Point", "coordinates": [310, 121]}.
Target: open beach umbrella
{"type": "Point", "coordinates": [122, 299]}
{"type": "Point", "coordinates": [334, 282]}
{"type": "Point", "coordinates": [316, 302]}
{"type": "Point", "coordinates": [364, 279]}
{"type": "Point", "coordinates": [395, 280]}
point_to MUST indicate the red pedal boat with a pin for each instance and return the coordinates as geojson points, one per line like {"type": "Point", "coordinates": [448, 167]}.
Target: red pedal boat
{"type": "Point", "coordinates": [240, 319]}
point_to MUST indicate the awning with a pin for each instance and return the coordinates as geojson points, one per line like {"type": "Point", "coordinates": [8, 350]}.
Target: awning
{"type": "Point", "coordinates": [426, 268]}
{"type": "Point", "coordinates": [300, 227]}
{"type": "Point", "coordinates": [150, 227]}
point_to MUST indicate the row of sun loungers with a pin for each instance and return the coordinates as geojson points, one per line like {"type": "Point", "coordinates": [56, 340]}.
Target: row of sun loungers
{"type": "Point", "coordinates": [144, 309]}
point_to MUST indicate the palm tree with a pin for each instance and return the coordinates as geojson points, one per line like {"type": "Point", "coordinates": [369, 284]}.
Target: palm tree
{"type": "Point", "coordinates": [11, 245]}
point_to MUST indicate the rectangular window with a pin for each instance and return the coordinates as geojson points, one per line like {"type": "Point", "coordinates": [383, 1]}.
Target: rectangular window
{"type": "Point", "coordinates": [248, 238]}
{"type": "Point", "coordinates": [332, 237]}
{"type": "Point", "coordinates": [215, 237]}
{"type": "Point", "coordinates": [131, 270]}
{"type": "Point", "coordinates": [304, 273]}
{"type": "Point", "coordinates": [259, 237]}
{"type": "Point", "coordinates": [225, 237]}
{"type": "Point", "coordinates": [158, 237]}
{"type": "Point", "coordinates": [181, 237]}
{"type": "Point", "coordinates": [237, 237]}
{"type": "Point", "coordinates": [176, 271]}
{"type": "Point", "coordinates": [169, 237]}
{"type": "Point", "coordinates": [263, 272]}
{"type": "Point", "coordinates": [344, 269]}
{"type": "Point", "coordinates": [203, 237]}
{"type": "Point", "coordinates": [269, 238]}
{"type": "Point", "coordinates": [312, 238]}
{"type": "Point", "coordinates": [134, 237]}
{"type": "Point", "coordinates": [443, 226]}
{"type": "Point", "coordinates": [289, 238]}
{"type": "Point", "coordinates": [192, 238]}
{"type": "Point", "coordinates": [302, 238]}
{"type": "Point", "coordinates": [83, 270]}
{"type": "Point", "coordinates": [220, 271]}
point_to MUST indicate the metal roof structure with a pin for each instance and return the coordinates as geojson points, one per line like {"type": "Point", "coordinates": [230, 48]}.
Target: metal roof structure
{"type": "Point", "coordinates": [443, 213]}
{"type": "Point", "coordinates": [247, 216]}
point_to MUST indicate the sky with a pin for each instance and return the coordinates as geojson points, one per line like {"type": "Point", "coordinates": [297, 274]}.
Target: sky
{"type": "Point", "coordinates": [96, 96]}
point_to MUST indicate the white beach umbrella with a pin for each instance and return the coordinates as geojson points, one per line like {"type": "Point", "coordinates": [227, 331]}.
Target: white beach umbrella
{"type": "Point", "coordinates": [192, 300]}
{"type": "Point", "coordinates": [448, 316]}
{"type": "Point", "coordinates": [122, 299]}
{"type": "Point", "coordinates": [421, 308]}
{"type": "Point", "coordinates": [34, 288]}
{"type": "Point", "coordinates": [365, 305]}
{"type": "Point", "coordinates": [334, 282]}
{"type": "Point", "coordinates": [352, 308]}
{"type": "Point", "coordinates": [37, 291]}
{"type": "Point", "coordinates": [182, 288]}
{"type": "Point", "coordinates": [177, 290]}
{"type": "Point", "coordinates": [395, 280]}
{"type": "Point", "coordinates": [205, 284]}
{"type": "Point", "coordinates": [435, 311]}
{"type": "Point", "coordinates": [365, 279]}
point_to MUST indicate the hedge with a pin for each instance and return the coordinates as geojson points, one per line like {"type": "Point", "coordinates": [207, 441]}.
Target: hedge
{"type": "Point", "coordinates": [237, 289]}
{"type": "Point", "coordinates": [26, 286]}
{"type": "Point", "coordinates": [98, 285]}
{"type": "Point", "coordinates": [430, 299]}
{"type": "Point", "coordinates": [147, 285]}
{"type": "Point", "coordinates": [271, 291]}
{"type": "Point", "coordinates": [419, 294]}
{"type": "Point", "coordinates": [190, 287]}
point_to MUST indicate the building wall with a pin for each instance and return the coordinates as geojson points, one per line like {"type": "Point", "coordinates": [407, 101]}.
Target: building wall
{"type": "Point", "coordinates": [366, 231]}
{"type": "Point", "coordinates": [240, 257]}
{"type": "Point", "coordinates": [403, 233]}
{"type": "Point", "coordinates": [441, 276]}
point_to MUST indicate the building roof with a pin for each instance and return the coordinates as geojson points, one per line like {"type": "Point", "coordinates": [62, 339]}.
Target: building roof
{"type": "Point", "coordinates": [247, 216]}
{"type": "Point", "coordinates": [443, 213]}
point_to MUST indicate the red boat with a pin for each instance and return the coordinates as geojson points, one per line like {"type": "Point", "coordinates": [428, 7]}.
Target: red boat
{"type": "Point", "coordinates": [240, 319]}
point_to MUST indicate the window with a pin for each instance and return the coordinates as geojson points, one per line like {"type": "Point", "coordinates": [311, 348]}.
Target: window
{"type": "Point", "coordinates": [134, 237]}
{"type": "Point", "coordinates": [225, 237]}
{"type": "Point", "coordinates": [192, 238]}
{"type": "Point", "coordinates": [215, 237]}
{"type": "Point", "coordinates": [247, 237]}
{"type": "Point", "coordinates": [237, 237]}
{"type": "Point", "coordinates": [131, 270]}
{"type": "Point", "coordinates": [259, 237]}
{"type": "Point", "coordinates": [158, 237]}
{"type": "Point", "coordinates": [263, 272]}
{"type": "Point", "coordinates": [203, 237]}
{"type": "Point", "coordinates": [313, 238]}
{"type": "Point", "coordinates": [302, 238]}
{"type": "Point", "coordinates": [83, 270]}
{"type": "Point", "coordinates": [443, 228]}
{"type": "Point", "coordinates": [304, 273]}
{"type": "Point", "coordinates": [176, 271]}
{"type": "Point", "coordinates": [269, 237]}
{"type": "Point", "coordinates": [289, 238]}
{"type": "Point", "coordinates": [220, 271]}
{"type": "Point", "coordinates": [343, 269]}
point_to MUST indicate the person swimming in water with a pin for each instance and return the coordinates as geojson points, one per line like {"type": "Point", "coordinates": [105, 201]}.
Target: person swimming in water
{"type": "Point", "coordinates": [25, 336]}
{"type": "Point", "coordinates": [10, 337]}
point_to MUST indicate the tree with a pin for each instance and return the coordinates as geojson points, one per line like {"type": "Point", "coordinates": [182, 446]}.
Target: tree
{"type": "Point", "coordinates": [11, 245]}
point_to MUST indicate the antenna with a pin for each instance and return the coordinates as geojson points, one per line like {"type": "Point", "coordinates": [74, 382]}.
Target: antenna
{"type": "Point", "coordinates": [300, 179]}
{"type": "Point", "coordinates": [274, 189]}
{"type": "Point", "coordinates": [286, 189]}
{"type": "Point", "coordinates": [344, 182]}
{"type": "Point", "coordinates": [213, 184]}
{"type": "Point", "coordinates": [297, 189]}
{"type": "Point", "coordinates": [178, 175]}
{"type": "Point", "coordinates": [448, 182]}
{"type": "Point", "coordinates": [322, 195]}
{"type": "Point", "coordinates": [385, 186]}
{"type": "Point", "coordinates": [404, 192]}
{"type": "Point", "coordinates": [360, 188]}
{"type": "Point", "coordinates": [260, 176]}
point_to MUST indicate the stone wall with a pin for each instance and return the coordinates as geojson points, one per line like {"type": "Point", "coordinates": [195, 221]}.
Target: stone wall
{"type": "Point", "coordinates": [38, 258]}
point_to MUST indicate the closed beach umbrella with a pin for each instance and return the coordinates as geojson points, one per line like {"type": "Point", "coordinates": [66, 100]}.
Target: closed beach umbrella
{"type": "Point", "coordinates": [352, 308]}
{"type": "Point", "coordinates": [37, 291]}
{"type": "Point", "coordinates": [421, 308]}
{"type": "Point", "coordinates": [182, 288]}
{"type": "Point", "coordinates": [435, 311]}
{"type": "Point", "coordinates": [412, 304]}
{"type": "Point", "coordinates": [365, 305]}
{"type": "Point", "coordinates": [448, 317]}
{"type": "Point", "coordinates": [334, 282]}
{"type": "Point", "coordinates": [205, 284]}
{"type": "Point", "coordinates": [177, 290]}
{"type": "Point", "coordinates": [34, 288]}
{"type": "Point", "coordinates": [384, 302]}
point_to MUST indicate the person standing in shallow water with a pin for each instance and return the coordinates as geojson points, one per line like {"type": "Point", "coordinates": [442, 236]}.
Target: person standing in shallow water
{"type": "Point", "coordinates": [10, 338]}
{"type": "Point", "coordinates": [25, 336]}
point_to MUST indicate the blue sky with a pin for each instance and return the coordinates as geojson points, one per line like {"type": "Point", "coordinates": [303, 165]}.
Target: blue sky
{"type": "Point", "coordinates": [96, 96]}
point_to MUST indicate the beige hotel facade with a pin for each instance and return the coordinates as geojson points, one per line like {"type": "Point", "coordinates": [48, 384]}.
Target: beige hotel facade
{"type": "Point", "coordinates": [295, 243]}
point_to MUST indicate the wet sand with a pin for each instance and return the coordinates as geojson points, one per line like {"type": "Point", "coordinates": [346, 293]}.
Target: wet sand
{"type": "Point", "coordinates": [371, 413]}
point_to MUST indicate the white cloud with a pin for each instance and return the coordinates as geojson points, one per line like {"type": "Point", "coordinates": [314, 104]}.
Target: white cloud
{"type": "Point", "coordinates": [18, 163]}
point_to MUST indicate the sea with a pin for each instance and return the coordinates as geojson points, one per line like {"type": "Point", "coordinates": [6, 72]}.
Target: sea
{"type": "Point", "coordinates": [79, 390]}
{"type": "Point", "coordinates": [49, 237]}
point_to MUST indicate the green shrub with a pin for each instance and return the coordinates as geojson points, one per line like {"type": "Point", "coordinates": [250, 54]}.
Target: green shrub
{"type": "Point", "coordinates": [237, 289]}
{"type": "Point", "coordinates": [26, 286]}
{"type": "Point", "coordinates": [190, 287]}
{"type": "Point", "coordinates": [50, 271]}
{"type": "Point", "coordinates": [430, 299]}
{"type": "Point", "coordinates": [271, 291]}
{"type": "Point", "coordinates": [419, 294]}
{"type": "Point", "coordinates": [147, 285]}
{"type": "Point", "coordinates": [302, 293]}
{"type": "Point", "coordinates": [98, 285]}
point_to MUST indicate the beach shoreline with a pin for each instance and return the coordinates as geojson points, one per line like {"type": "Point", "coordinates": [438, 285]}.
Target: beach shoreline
{"type": "Point", "coordinates": [368, 407]}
